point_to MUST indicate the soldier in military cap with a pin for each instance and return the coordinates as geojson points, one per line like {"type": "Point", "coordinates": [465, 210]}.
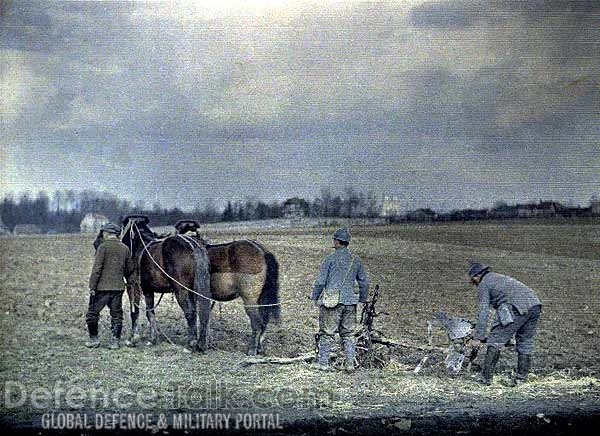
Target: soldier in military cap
{"type": "Point", "coordinates": [336, 296]}
{"type": "Point", "coordinates": [517, 312]}
{"type": "Point", "coordinates": [112, 263]}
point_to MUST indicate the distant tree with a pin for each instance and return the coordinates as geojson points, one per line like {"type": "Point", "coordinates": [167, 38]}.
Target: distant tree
{"type": "Point", "coordinates": [210, 213]}
{"type": "Point", "coordinates": [326, 201]}
{"type": "Point", "coordinates": [70, 199]}
{"type": "Point", "coordinates": [351, 201]}
{"type": "Point", "coordinates": [372, 209]}
{"type": "Point", "coordinates": [316, 208]}
{"type": "Point", "coordinates": [40, 208]}
{"type": "Point", "coordinates": [262, 211]}
{"type": "Point", "coordinates": [57, 200]}
{"type": "Point", "coordinates": [276, 210]}
{"type": "Point", "coordinates": [336, 207]}
{"type": "Point", "coordinates": [228, 214]}
{"type": "Point", "coordinates": [9, 211]}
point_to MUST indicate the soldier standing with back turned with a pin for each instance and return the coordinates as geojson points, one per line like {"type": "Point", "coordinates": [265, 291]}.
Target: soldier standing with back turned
{"type": "Point", "coordinates": [338, 272]}
{"type": "Point", "coordinates": [112, 263]}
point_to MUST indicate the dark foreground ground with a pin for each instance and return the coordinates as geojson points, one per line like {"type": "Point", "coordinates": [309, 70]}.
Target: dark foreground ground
{"type": "Point", "coordinates": [420, 270]}
{"type": "Point", "coordinates": [561, 417]}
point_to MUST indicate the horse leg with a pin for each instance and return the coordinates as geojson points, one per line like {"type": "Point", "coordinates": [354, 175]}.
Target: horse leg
{"type": "Point", "coordinates": [134, 294]}
{"type": "Point", "coordinates": [258, 329]}
{"type": "Point", "coordinates": [186, 302]}
{"type": "Point", "coordinates": [203, 306]}
{"type": "Point", "coordinates": [149, 298]}
{"type": "Point", "coordinates": [260, 349]}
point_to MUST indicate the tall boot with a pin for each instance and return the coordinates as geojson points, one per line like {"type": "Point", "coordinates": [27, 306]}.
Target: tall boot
{"type": "Point", "coordinates": [93, 342]}
{"type": "Point", "coordinates": [523, 367]}
{"type": "Point", "coordinates": [116, 337]}
{"type": "Point", "coordinates": [489, 365]}
{"type": "Point", "coordinates": [323, 355]}
{"type": "Point", "coordinates": [350, 352]}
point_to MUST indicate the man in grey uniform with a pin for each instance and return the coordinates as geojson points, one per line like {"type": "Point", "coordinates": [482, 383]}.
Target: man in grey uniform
{"type": "Point", "coordinates": [517, 312]}
{"type": "Point", "coordinates": [338, 272]}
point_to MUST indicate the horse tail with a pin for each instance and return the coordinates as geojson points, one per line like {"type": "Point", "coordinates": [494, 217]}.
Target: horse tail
{"type": "Point", "coordinates": [270, 290]}
{"type": "Point", "coordinates": [201, 272]}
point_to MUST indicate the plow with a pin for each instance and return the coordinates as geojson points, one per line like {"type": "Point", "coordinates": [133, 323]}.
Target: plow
{"type": "Point", "coordinates": [374, 349]}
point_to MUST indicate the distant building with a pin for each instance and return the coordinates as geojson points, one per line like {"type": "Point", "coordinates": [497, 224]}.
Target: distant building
{"type": "Point", "coordinates": [27, 229]}
{"type": "Point", "coordinates": [92, 222]}
{"type": "Point", "coordinates": [391, 206]}
{"type": "Point", "coordinates": [295, 208]}
{"type": "Point", "coordinates": [543, 209]}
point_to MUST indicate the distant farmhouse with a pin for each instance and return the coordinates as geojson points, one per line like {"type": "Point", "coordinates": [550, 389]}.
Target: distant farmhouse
{"type": "Point", "coordinates": [543, 209]}
{"type": "Point", "coordinates": [27, 229]}
{"type": "Point", "coordinates": [390, 206]}
{"type": "Point", "coordinates": [92, 222]}
{"type": "Point", "coordinates": [295, 208]}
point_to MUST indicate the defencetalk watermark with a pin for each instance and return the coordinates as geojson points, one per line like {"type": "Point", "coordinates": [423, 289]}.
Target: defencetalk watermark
{"type": "Point", "coordinates": [216, 404]}
{"type": "Point", "coordinates": [153, 421]}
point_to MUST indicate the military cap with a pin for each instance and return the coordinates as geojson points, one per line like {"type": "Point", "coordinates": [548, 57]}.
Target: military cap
{"type": "Point", "coordinates": [476, 268]}
{"type": "Point", "coordinates": [111, 228]}
{"type": "Point", "coordinates": [342, 235]}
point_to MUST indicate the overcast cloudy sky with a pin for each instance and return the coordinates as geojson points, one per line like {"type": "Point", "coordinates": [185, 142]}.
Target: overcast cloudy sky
{"type": "Point", "coordinates": [445, 104]}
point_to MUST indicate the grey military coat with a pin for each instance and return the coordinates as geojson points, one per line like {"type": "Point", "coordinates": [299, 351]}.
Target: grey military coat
{"type": "Point", "coordinates": [332, 272]}
{"type": "Point", "coordinates": [498, 290]}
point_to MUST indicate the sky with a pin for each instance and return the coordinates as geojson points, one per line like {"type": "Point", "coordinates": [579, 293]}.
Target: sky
{"type": "Point", "coordinates": [445, 104]}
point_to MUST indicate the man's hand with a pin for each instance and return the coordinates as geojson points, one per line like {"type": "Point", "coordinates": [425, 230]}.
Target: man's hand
{"type": "Point", "coordinates": [92, 292]}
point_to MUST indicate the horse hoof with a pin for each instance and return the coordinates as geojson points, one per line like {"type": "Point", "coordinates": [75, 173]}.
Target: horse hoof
{"type": "Point", "coordinates": [252, 353]}
{"type": "Point", "coordinates": [129, 343]}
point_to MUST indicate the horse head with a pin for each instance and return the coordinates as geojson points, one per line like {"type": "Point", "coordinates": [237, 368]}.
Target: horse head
{"type": "Point", "coordinates": [136, 234]}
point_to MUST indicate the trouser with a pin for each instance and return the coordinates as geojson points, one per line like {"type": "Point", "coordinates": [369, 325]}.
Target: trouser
{"type": "Point", "coordinates": [341, 319]}
{"type": "Point", "coordinates": [523, 328]}
{"type": "Point", "coordinates": [112, 299]}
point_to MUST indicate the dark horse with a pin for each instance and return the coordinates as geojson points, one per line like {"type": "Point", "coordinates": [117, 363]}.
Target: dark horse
{"type": "Point", "coordinates": [241, 268]}
{"type": "Point", "coordinates": [171, 264]}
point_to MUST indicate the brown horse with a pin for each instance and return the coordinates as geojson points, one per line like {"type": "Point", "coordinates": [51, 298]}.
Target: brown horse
{"type": "Point", "coordinates": [172, 264]}
{"type": "Point", "coordinates": [241, 268]}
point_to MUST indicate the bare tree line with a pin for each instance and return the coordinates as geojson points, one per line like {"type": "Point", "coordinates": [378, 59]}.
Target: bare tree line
{"type": "Point", "coordinates": [63, 210]}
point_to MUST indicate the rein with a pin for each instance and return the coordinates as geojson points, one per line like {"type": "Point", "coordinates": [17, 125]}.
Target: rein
{"type": "Point", "coordinates": [134, 225]}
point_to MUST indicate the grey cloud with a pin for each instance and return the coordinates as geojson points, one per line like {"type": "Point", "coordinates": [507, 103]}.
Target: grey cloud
{"type": "Point", "coordinates": [364, 82]}
{"type": "Point", "coordinates": [454, 15]}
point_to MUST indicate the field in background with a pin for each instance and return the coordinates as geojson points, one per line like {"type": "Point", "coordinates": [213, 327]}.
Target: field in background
{"type": "Point", "coordinates": [420, 268]}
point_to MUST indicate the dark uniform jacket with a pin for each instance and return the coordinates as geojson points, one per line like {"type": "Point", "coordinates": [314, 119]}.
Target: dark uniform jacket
{"type": "Point", "coordinates": [500, 291]}
{"type": "Point", "coordinates": [111, 264]}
